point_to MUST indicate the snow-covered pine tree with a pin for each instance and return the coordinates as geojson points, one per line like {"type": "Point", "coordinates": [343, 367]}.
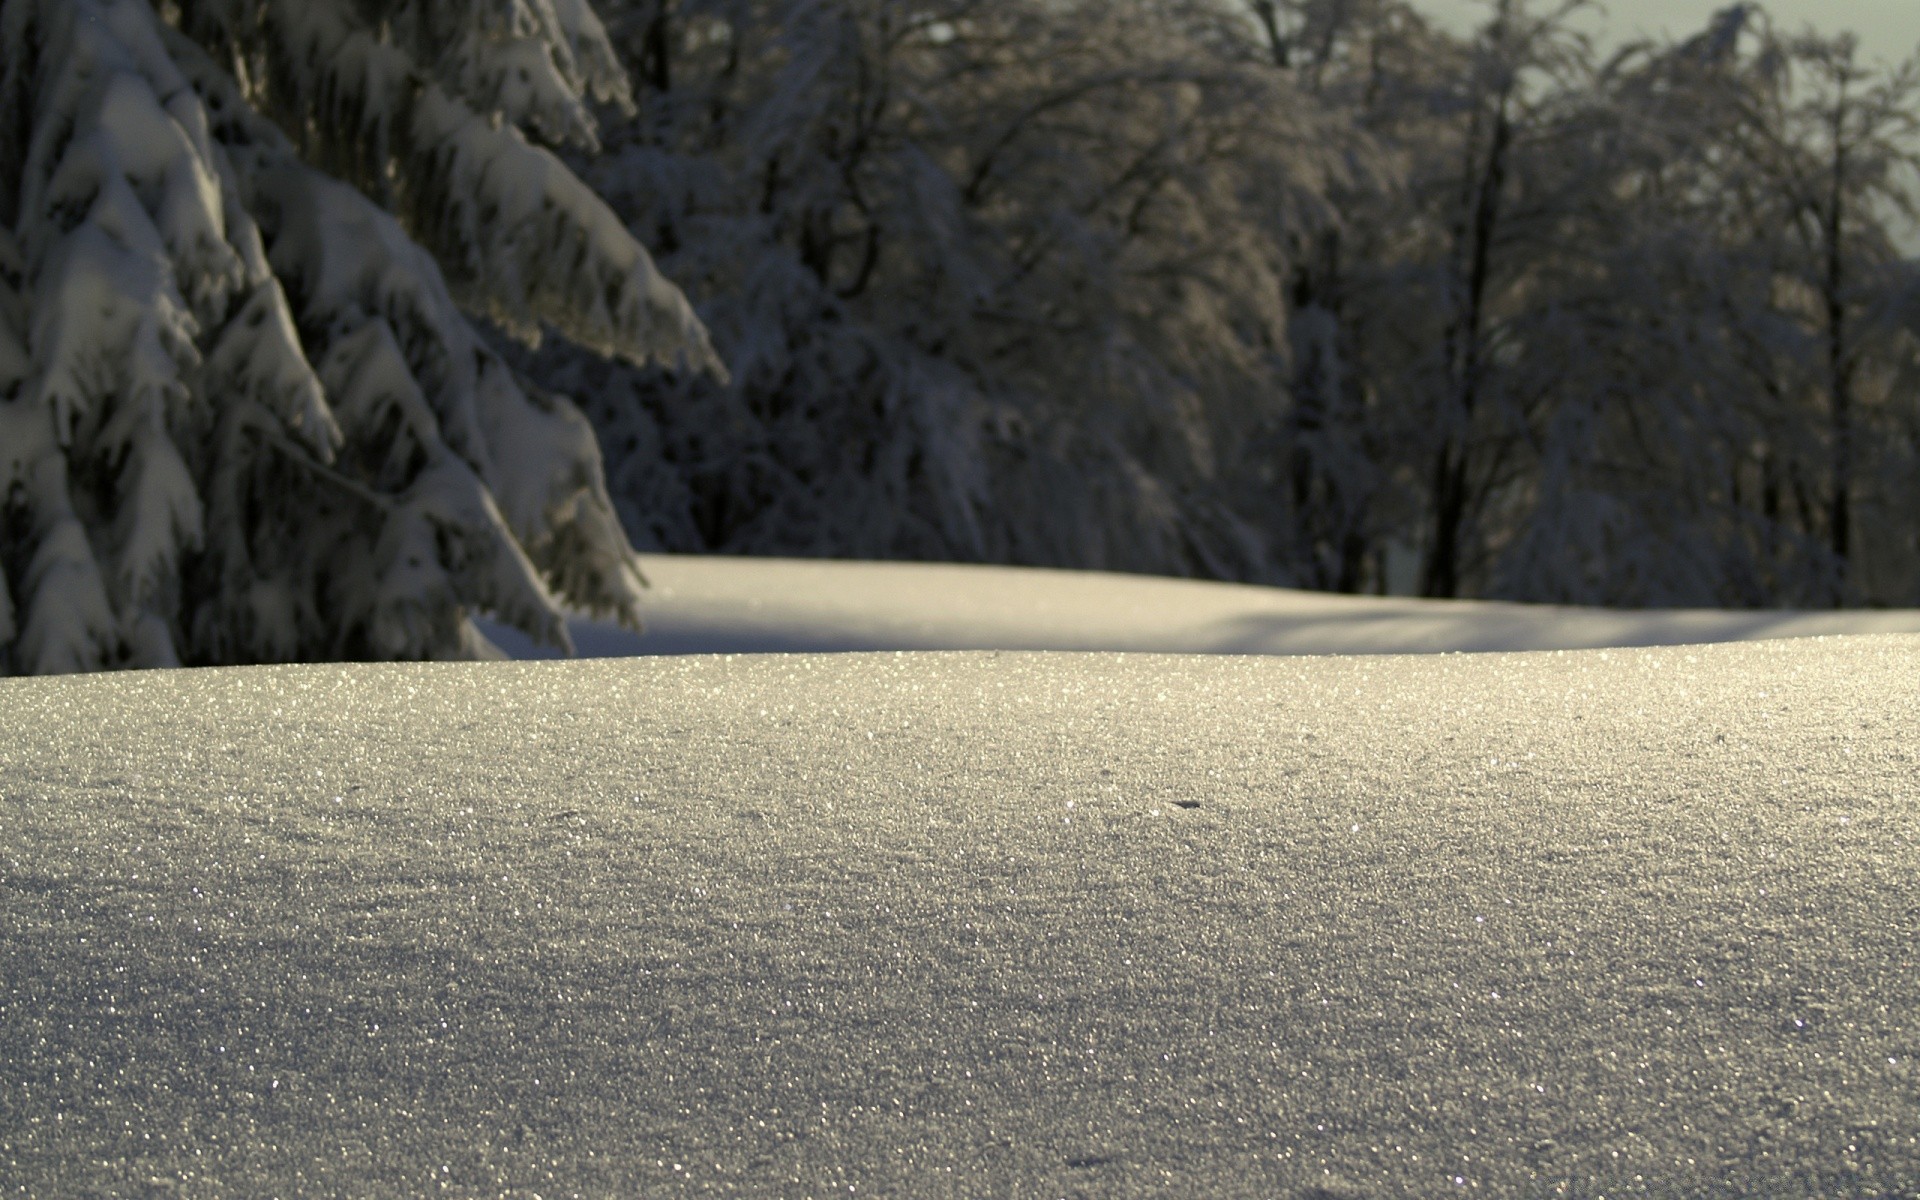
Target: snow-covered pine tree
{"type": "Point", "coordinates": [243, 415]}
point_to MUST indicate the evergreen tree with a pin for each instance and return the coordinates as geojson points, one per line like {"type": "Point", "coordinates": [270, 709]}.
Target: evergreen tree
{"type": "Point", "coordinates": [243, 413]}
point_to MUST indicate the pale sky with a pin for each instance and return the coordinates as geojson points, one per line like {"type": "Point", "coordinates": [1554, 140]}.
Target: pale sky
{"type": "Point", "coordinates": [1889, 29]}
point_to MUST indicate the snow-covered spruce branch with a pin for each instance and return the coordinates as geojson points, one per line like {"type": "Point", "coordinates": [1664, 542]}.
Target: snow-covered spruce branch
{"type": "Point", "coordinates": [243, 416]}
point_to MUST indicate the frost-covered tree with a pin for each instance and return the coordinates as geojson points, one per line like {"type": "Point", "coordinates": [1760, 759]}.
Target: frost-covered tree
{"type": "Point", "coordinates": [997, 281]}
{"type": "Point", "coordinates": [1408, 429]}
{"type": "Point", "coordinates": [244, 413]}
{"type": "Point", "coordinates": [1820, 155]}
{"type": "Point", "coordinates": [1334, 488]}
{"type": "Point", "coordinates": [1622, 332]}
{"type": "Point", "coordinates": [1489, 174]}
{"type": "Point", "coordinates": [1733, 433]}
{"type": "Point", "coordinates": [1634, 495]}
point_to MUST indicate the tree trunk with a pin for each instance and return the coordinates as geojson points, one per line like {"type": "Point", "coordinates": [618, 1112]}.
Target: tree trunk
{"type": "Point", "coordinates": [1440, 575]}
{"type": "Point", "coordinates": [656, 48]}
{"type": "Point", "coordinates": [1839, 371]}
{"type": "Point", "coordinates": [1279, 45]}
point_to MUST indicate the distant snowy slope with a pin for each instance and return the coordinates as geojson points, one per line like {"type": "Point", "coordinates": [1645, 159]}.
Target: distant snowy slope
{"type": "Point", "coordinates": [702, 605]}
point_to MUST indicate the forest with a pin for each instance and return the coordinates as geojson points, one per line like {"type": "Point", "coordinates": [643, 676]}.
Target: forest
{"type": "Point", "coordinates": [328, 325]}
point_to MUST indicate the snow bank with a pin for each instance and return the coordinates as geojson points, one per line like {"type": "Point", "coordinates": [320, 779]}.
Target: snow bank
{"type": "Point", "coordinates": [1596, 923]}
{"type": "Point", "coordinates": [703, 605]}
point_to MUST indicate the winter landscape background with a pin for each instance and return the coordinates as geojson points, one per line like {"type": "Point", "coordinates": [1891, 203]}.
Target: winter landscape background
{"type": "Point", "coordinates": [328, 328]}
{"type": "Point", "coordinates": [1026, 346]}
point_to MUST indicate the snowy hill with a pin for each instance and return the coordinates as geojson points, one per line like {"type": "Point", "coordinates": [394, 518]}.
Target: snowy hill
{"type": "Point", "coordinates": [708, 605]}
{"type": "Point", "coordinates": [1619, 922]}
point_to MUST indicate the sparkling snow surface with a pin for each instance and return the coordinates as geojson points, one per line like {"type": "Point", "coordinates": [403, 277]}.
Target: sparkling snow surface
{"type": "Point", "coordinates": [711, 605]}
{"type": "Point", "coordinates": [1617, 923]}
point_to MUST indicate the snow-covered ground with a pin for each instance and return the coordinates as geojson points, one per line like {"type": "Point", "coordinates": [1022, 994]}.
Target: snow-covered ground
{"type": "Point", "coordinates": [705, 605]}
{"type": "Point", "coordinates": [1575, 924]}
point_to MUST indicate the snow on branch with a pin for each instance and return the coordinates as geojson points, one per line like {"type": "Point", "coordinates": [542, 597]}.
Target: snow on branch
{"type": "Point", "coordinates": [178, 482]}
{"type": "Point", "coordinates": [401, 359]}
{"type": "Point", "coordinates": [537, 63]}
{"type": "Point", "coordinates": [523, 240]}
{"type": "Point", "coordinates": [532, 242]}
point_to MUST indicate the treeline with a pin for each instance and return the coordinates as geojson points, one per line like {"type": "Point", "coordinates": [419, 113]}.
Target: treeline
{"type": "Point", "coordinates": [1296, 291]}
{"type": "Point", "coordinates": [1309, 292]}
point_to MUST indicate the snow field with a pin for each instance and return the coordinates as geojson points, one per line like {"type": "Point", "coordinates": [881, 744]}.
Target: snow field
{"type": "Point", "coordinates": [712, 604]}
{"type": "Point", "coordinates": [1629, 922]}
